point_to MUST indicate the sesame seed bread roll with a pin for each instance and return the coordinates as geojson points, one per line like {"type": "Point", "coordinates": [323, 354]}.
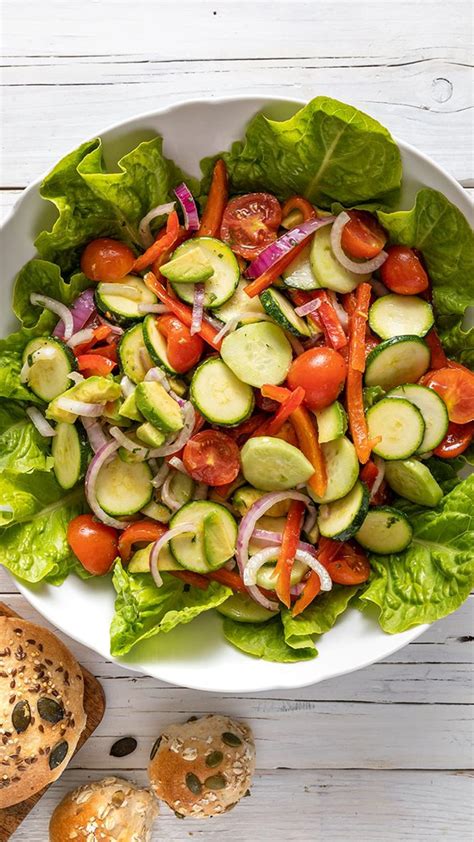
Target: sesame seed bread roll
{"type": "Point", "coordinates": [41, 708]}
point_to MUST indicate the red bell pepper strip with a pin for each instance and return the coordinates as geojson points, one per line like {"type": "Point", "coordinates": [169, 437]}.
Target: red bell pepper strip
{"type": "Point", "coordinates": [165, 255]}
{"type": "Point", "coordinates": [164, 241]}
{"type": "Point", "coordinates": [229, 578]}
{"type": "Point", "coordinates": [310, 592]}
{"type": "Point", "coordinates": [194, 579]}
{"type": "Point", "coordinates": [273, 272]}
{"type": "Point", "coordinates": [95, 364]}
{"type": "Point", "coordinates": [216, 202]}
{"type": "Point", "coordinates": [298, 203]}
{"type": "Point", "coordinates": [354, 394]}
{"type": "Point", "coordinates": [141, 530]}
{"type": "Point", "coordinates": [182, 311]}
{"type": "Point", "coordinates": [329, 319]}
{"type": "Point", "coordinates": [288, 406]}
{"type": "Point", "coordinates": [358, 327]}
{"type": "Point", "coordinates": [289, 546]}
{"type": "Point", "coordinates": [369, 474]}
{"type": "Point", "coordinates": [109, 351]}
{"type": "Point", "coordinates": [438, 357]}
{"type": "Point", "coordinates": [99, 334]}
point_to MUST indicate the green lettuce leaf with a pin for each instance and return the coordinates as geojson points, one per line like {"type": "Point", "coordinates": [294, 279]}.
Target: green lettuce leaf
{"type": "Point", "coordinates": [33, 535]}
{"type": "Point", "coordinates": [318, 618]}
{"type": "Point", "coordinates": [22, 448]}
{"type": "Point", "coordinates": [435, 574]}
{"type": "Point", "coordinates": [327, 152]}
{"type": "Point", "coordinates": [43, 277]}
{"type": "Point", "coordinates": [266, 640]}
{"type": "Point", "coordinates": [11, 353]}
{"type": "Point", "coordinates": [440, 231]}
{"type": "Point", "coordinates": [143, 610]}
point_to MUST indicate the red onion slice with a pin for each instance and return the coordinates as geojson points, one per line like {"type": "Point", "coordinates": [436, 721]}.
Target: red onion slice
{"type": "Point", "coordinates": [160, 475]}
{"type": "Point", "coordinates": [144, 231]}
{"type": "Point", "coordinates": [268, 554]}
{"type": "Point", "coordinates": [141, 453]}
{"type": "Point", "coordinates": [270, 537]}
{"type": "Point", "coordinates": [39, 421]}
{"type": "Point", "coordinates": [101, 458]}
{"type": "Point", "coordinates": [198, 309]}
{"type": "Point", "coordinates": [166, 495]}
{"type": "Point", "coordinates": [95, 433]}
{"type": "Point", "coordinates": [178, 465]}
{"type": "Point", "coordinates": [91, 410]}
{"type": "Point", "coordinates": [159, 309]}
{"type": "Point", "coordinates": [364, 268]}
{"type": "Point", "coordinates": [84, 335]}
{"type": "Point", "coordinates": [339, 309]}
{"type": "Point", "coordinates": [380, 465]}
{"type": "Point", "coordinates": [378, 287]}
{"type": "Point", "coordinates": [81, 311]}
{"type": "Point", "coordinates": [127, 386]}
{"type": "Point", "coordinates": [160, 543]}
{"type": "Point", "coordinates": [188, 205]}
{"type": "Point", "coordinates": [114, 328]}
{"type": "Point", "coordinates": [76, 376]}
{"type": "Point", "coordinates": [284, 244]}
{"type": "Point", "coordinates": [309, 307]}
{"type": "Point", "coordinates": [201, 494]}
{"type": "Point", "coordinates": [56, 307]}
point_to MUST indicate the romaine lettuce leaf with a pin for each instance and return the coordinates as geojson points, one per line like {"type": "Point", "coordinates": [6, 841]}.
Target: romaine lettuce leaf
{"type": "Point", "coordinates": [318, 618]}
{"type": "Point", "coordinates": [22, 448]}
{"type": "Point", "coordinates": [435, 574]}
{"type": "Point", "coordinates": [143, 610]}
{"type": "Point", "coordinates": [44, 278]}
{"type": "Point", "coordinates": [11, 352]}
{"type": "Point", "coordinates": [440, 231]}
{"type": "Point", "coordinates": [327, 152]}
{"type": "Point", "coordinates": [266, 640]}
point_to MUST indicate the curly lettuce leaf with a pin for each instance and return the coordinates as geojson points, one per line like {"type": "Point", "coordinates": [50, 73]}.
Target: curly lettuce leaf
{"type": "Point", "coordinates": [435, 574]}
{"type": "Point", "coordinates": [44, 278]}
{"type": "Point", "coordinates": [33, 535]}
{"type": "Point", "coordinates": [11, 354]}
{"type": "Point", "coordinates": [143, 610]}
{"type": "Point", "coordinates": [327, 152]}
{"type": "Point", "coordinates": [318, 618]}
{"type": "Point", "coordinates": [267, 641]}
{"type": "Point", "coordinates": [22, 448]}
{"type": "Point", "coordinates": [442, 233]}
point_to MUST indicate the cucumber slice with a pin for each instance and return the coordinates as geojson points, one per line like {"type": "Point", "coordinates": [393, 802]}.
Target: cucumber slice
{"type": "Point", "coordinates": [327, 271]}
{"type": "Point", "coordinates": [332, 422]}
{"type": "Point", "coordinates": [400, 315]}
{"type": "Point", "coordinates": [140, 560]}
{"type": "Point", "coordinates": [244, 609]}
{"type": "Point", "coordinates": [283, 313]}
{"type": "Point", "coordinates": [120, 308]}
{"type": "Point", "coordinates": [50, 362]}
{"type": "Point", "coordinates": [399, 424]}
{"type": "Point", "coordinates": [342, 519]}
{"type": "Point", "coordinates": [157, 511]}
{"type": "Point", "coordinates": [181, 488]}
{"type": "Point", "coordinates": [272, 464]}
{"type": "Point", "coordinates": [191, 267]}
{"type": "Point", "coordinates": [342, 467]}
{"type": "Point", "coordinates": [240, 305]}
{"type": "Point", "coordinates": [220, 537]}
{"type": "Point", "coordinates": [222, 284]}
{"type": "Point", "coordinates": [299, 274]}
{"type": "Point", "coordinates": [134, 357]}
{"type": "Point", "coordinates": [258, 353]}
{"type": "Point", "coordinates": [402, 359]}
{"type": "Point", "coordinates": [189, 549]}
{"type": "Point", "coordinates": [384, 531]}
{"type": "Point", "coordinates": [123, 488]}
{"type": "Point", "coordinates": [266, 575]}
{"type": "Point", "coordinates": [414, 481]}
{"type": "Point", "coordinates": [158, 407]}
{"type": "Point", "coordinates": [219, 395]}
{"type": "Point", "coordinates": [432, 408]}
{"type": "Point", "coordinates": [71, 454]}
{"type": "Point", "coordinates": [155, 344]}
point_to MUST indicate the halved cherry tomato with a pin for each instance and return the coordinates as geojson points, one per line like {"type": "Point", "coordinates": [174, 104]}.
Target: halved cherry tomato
{"type": "Point", "coordinates": [438, 357]}
{"type": "Point", "coordinates": [95, 364]}
{"type": "Point", "coordinates": [455, 385]}
{"type": "Point", "coordinates": [349, 567]}
{"type": "Point", "coordinates": [94, 543]}
{"type": "Point", "coordinates": [250, 223]}
{"type": "Point", "coordinates": [212, 457]}
{"type": "Point", "coordinates": [142, 530]}
{"type": "Point", "coordinates": [456, 441]}
{"type": "Point", "coordinates": [183, 350]}
{"type": "Point", "coordinates": [362, 237]}
{"type": "Point", "coordinates": [321, 372]}
{"type": "Point", "coordinates": [403, 271]}
{"type": "Point", "coordinates": [106, 260]}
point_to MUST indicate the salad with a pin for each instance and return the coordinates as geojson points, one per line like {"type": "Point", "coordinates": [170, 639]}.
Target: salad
{"type": "Point", "coordinates": [252, 393]}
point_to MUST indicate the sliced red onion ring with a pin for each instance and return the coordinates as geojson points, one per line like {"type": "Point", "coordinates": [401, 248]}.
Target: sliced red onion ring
{"type": "Point", "coordinates": [380, 465]}
{"type": "Point", "coordinates": [160, 475]}
{"type": "Point", "coordinates": [91, 410]}
{"type": "Point", "coordinates": [227, 328]}
{"type": "Point", "coordinates": [268, 554]}
{"type": "Point", "coordinates": [364, 268]}
{"type": "Point", "coordinates": [182, 438]}
{"type": "Point", "coordinates": [198, 308]}
{"type": "Point", "coordinates": [340, 312]}
{"type": "Point", "coordinates": [284, 244]}
{"type": "Point", "coordinates": [295, 343]}
{"type": "Point", "coordinates": [39, 421]}
{"type": "Point", "coordinates": [84, 335]}
{"type": "Point", "coordinates": [212, 321]}
{"type": "Point", "coordinates": [378, 287]}
{"type": "Point", "coordinates": [146, 236]}
{"type": "Point", "coordinates": [270, 537]}
{"type": "Point", "coordinates": [297, 590]}
{"type": "Point", "coordinates": [127, 386]}
{"type": "Point", "coordinates": [159, 309]}
{"type": "Point", "coordinates": [114, 328]}
{"type": "Point", "coordinates": [76, 376]}
{"type": "Point", "coordinates": [81, 311]}
{"type": "Point", "coordinates": [166, 495]}
{"type": "Point", "coordinates": [95, 433]}
{"type": "Point", "coordinates": [160, 543]}
{"type": "Point", "coordinates": [101, 458]}
{"type": "Point", "coordinates": [56, 307]}
{"type": "Point", "coordinates": [234, 321]}
{"type": "Point", "coordinates": [309, 307]}
{"type": "Point", "coordinates": [310, 519]}
{"type": "Point", "coordinates": [188, 205]}
{"type": "Point", "coordinates": [178, 465]}
{"type": "Point", "coordinates": [141, 453]}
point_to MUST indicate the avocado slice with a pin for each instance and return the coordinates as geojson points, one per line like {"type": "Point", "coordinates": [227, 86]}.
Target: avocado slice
{"type": "Point", "coordinates": [129, 408]}
{"type": "Point", "coordinates": [154, 402]}
{"type": "Point", "coordinates": [150, 435]}
{"type": "Point", "coordinates": [192, 267]}
{"type": "Point", "coordinates": [245, 497]}
{"type": "Point", "coordinates": [92, 390]}
{"type": "Point", "coordinates": [140, 560]}
{"type": "Point", "coordinates": [219, 541]}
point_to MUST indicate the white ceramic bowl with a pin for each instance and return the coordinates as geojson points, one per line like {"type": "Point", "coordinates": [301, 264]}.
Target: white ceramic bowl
{"type": "Point", "coordinates": [197, 655]}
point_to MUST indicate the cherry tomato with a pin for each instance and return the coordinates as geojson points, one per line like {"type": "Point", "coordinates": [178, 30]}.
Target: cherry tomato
{"type": "Point", "coordinates": [106, 260]}
{"type": "Point", "coordinates": [94, 544]}
{"type": "Point", "coordinates": [321, 372]}
{"type": "Point", "coordinates": [349, 567]}
{"type": "Point", "coordinates": [455, 385]}
{"type": "Point", "coordinates": [456, 441]}
{"type": "Point", "coordinates": [212, 457]}
{"type": "Point", "coordinates": [362, 236]}
{"type": "Point", "coordinates": [250, 223]}
{"type": "Point", "coordinates": [183, 350]}
{"type": "Point", "coordinates": [403, 271]}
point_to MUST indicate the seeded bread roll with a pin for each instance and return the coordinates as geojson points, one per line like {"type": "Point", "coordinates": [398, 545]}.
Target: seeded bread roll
{"type": "Point", "coordinates": [203, 767]}
{"type": "Point", "coordinates": [110, 810]}
{"type": "Point", "coordinates": [41, 708]}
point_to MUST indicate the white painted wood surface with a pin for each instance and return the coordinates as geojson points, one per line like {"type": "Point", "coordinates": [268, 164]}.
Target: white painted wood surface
{"type": "Point", "coordinates": [385, 753]}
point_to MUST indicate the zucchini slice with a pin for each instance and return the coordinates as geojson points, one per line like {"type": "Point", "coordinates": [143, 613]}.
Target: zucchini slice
{"type": "Point", "coordinates": [181, 488]}
{"type": "Point", "coordinates": [385, 530]}
{"type": "Point", "coordinates": [272, 464]}
{"type": "Point", "coordinates": [226, 273]}
{"type": "Point", "coordinates": [50, 363]}
{"type": "Point", "coordinates": [283, 313]}
{"type": "Point", "coordinates": [71, 454]}
{"type": "Point", "coordinates": [327, 271]}
{"type": "Point", "coordinates": [240, 305]}
{"type": "Point", "coordinates": [258, 353]}
{"type": "Point", "coordinates": [124, 488]}
{"type": "Point", "coordinates": [400, 426]}
{"type": "Point", "coordinates": [402, 359]}
{"type": "Point", "coordinates": [134, 357]}
{"type": "Point", "coordinates": [342, 469]}
{"type": "Point", "coordinates": [332, 422]}
{"type": "Point", "coordinates": [299, 274]}
{"type": "Point", "coordinates": [432, 408]}
{"type": "Point", "coordinates": [155, 344]}
{"type": "Point", "coordinates": [266, 575]}
{"type": "Point", "coordinates": [414, 481]}
{"type": "Point", "coordinates": [122, 308]}
{"type": "Point", "coordinates": [190, 550]}
{"type": "Point", "coordinates": [400, 315]}
{"type": "Point", "coordinates": [343, 518]}
{"type": "Point", "coordinates": [219, 395]}
{"type": "Point", "coordinates": [157, 511]}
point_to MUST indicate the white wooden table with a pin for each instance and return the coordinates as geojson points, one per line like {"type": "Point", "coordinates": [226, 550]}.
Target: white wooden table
{"type": "Point", "coordinates": [382, 755]}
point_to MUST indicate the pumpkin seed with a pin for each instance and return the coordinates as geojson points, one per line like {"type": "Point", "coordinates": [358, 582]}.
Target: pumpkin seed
{"type": "Point", "coordinates": [155, 747]}
{"type": "Point", "coordinates": [58, 754]}
{"type": "Point", "coordinates": [123, 747]}
{"type": "Point", "coordinates": [21, 716]}
{"type": "Point", "coordinates": [193, 783]}
{"type": "Point", "coordinates": [214, 758]}
{"type": "Point", "coordinates": [215, 782]}
{"type": "Point", "coordinates": [231, 739]}
{"type": "Point", "coordinates": [50, 710]}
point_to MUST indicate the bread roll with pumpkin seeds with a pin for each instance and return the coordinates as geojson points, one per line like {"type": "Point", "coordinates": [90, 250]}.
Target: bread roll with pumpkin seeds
{"type": "Point", "coordinates": [110, 810]}
{"type": "Point", "coordinates": [203, 767]}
